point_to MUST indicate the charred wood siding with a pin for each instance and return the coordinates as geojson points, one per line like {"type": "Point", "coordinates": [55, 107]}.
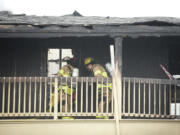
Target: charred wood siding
{"type": "Point", "coordinates": [174, 57]}
{"type": "Point", "coordinates": [142, 57]}
{"type": "Point", "coordinates": [17, 58]}
{"type": "Point", "coordinates": [28, 57]}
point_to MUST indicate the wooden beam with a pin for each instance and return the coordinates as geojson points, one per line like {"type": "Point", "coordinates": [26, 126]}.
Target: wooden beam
{"type": "Point", "coordinates": [95, 29]}
{"type": "Point", "coordinates": [48, 35]}
{"type": "Point", "coordinates": [81, 31]}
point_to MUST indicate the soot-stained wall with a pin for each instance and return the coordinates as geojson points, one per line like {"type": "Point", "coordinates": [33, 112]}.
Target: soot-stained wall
{"type": "Point", "coordinates": [28, 57]}
{"type": "Point", "coordinates": [174, 57]}
{"type": "Point", "coordinates": [142, 57]}
{"type": "Point", "coordinates": [20, 57]}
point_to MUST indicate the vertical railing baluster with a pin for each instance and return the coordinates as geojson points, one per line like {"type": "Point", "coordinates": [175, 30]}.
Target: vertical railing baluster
{"type": "Point", "coordinates": [149, 97]}
{"type": "Point", "coordinates": [71, 96]}
{"type": "Point", "coordinates": [81, 94]}
{"type": "Point", "coordinates": [159, 97]}
{"type": "Point", "coordinates": [76, 94]}
{"type": "Point", "coordinates": [124, 94]}
{"type": "Point", "coordinates": [19, 101]}
{"type": "Point", "coordinates": [24, 107]}
{"type": "Point", "coordinates": [50, 104]}
{"type": "Point", "coordinates": [144, 98]}
{"type": "Point", "coordinates": [35, 90]}
{"type": "Point", "coordinates": [107, 93]}
{"type": "Point", "coordinates": [40, 93]}
{"type": "Point", "coordinates": [45, 94]}
{"type": "Point", "coordinates": [139, 104]}
{"type": "Point", "coordinates": [164, 99]}
{"type": "Point", "coordinates": [30, 87]}
{"type": "Point", "coordinates": [129, 86]}
{"type": "Point", "coordinates": [61, 92]}
{"type": "Point", "coordinates": [101, 95]}
{"type": "Point", "coordinates": [175, 97]}
{"type": "Point", "coordinates": [86, 94]}
{"type": "Point", "coordinates": [97, 96]}
{"type": "Point", "coordinates": [170, 90]}
{"type": "Point", "coordinates": [154, 98]}
{"type": "Point", "coordinates": [134, 96]}
{"type": "Point", "coordinates": [112, 97]}
{"type": "Point", "coordinates": [9, 87]}
{"type": "Point", "coordinates": [66, 97]}
{"type": "Point", "coordinates": [91, 95]}
{"type": "Point", "coordinates": [3, 98]}
{"type": "Point", "coordinates": [14, 95]}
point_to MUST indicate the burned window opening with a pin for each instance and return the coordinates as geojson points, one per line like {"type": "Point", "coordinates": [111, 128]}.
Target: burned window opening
{"type": "Point", "coordinates": [55, 60]}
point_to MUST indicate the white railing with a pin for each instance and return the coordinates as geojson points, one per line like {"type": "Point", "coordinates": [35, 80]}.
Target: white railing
{"type": "Point", "coordinates": [55, 96]}
{"type": "Point", "coordinates": [149, 98]}
{"type": "Point", "coordinates": [85, 97]}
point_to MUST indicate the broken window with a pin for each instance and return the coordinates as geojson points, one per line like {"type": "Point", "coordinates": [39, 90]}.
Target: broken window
{"type": "Point", "coordinates": [55, 57]}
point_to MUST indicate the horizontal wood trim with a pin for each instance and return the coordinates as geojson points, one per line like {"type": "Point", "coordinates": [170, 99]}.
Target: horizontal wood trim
{"type": "Point", "coordinates": [48, 79]}
{"type": "Point", "coordinates": [80, 31]}
{"type": "Point", "coordinates": [89, 127]}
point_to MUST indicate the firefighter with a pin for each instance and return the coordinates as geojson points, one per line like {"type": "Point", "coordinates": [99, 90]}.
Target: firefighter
{"type": "Point", "coordinates": [65, 71]}
{"type": "Point", "coordinates": [98, 71]}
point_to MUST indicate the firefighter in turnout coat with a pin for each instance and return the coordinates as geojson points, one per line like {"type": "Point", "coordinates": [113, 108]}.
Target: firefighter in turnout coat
{"type": "Point", "coordinates": [65, 71]}
{"type": "Point", "coordinates": [99, 71]}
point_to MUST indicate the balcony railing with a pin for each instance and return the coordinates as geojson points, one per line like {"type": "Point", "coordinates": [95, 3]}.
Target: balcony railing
{"type": "Point", "coordinates": [51, 96]}
{"type": "Point", "coordinates": [149, 98]}
{"type": "Point", "coordinates": [85, 97]}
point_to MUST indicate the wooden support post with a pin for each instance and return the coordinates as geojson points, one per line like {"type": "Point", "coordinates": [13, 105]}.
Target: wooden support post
{"type": "Point", "coordinates": [118, 69]}
{"type": "Point", "coordinates": [114, 91]}
{"type": "Point", "coordinates": [117, 79]}
{"type": "Point", "coordinates": [118, 52]}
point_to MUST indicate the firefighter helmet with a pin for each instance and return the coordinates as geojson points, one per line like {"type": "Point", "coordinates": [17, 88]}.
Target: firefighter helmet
{"type": "Point", "coordinates": [88, 60]}
{"type": "Point", "coordinates": [72, 61]}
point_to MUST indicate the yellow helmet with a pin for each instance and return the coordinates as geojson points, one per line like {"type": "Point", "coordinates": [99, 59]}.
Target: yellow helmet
{"type": "Point", "coordinates": [88, 60]}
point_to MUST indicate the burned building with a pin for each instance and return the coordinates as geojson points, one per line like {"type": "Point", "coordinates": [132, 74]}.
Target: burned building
{"type": "Point", "coordinates": [142, 88]}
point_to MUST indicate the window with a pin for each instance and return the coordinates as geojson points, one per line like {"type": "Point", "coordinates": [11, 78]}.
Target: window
{"type": "Point", "coordinates": [55, 57]}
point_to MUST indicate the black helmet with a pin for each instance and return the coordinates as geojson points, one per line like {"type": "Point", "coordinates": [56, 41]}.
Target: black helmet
{"type": "Point", "coordinates": [71, 61]}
